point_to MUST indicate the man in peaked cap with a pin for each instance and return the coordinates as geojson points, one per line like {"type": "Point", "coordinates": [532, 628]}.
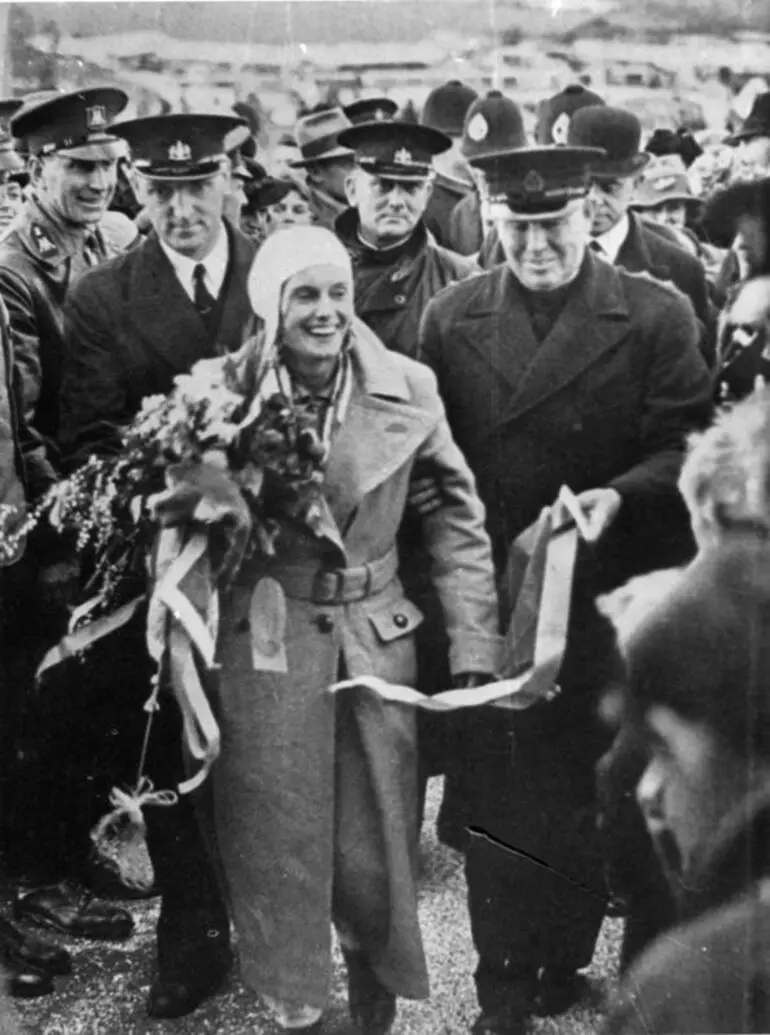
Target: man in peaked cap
{"type": "Point", "coordinates": [540, 363]}
{"type": "Point", "coordinates": [63, 228]}
{"type": "Point", "coordinates": [134, 324]}
{"type": "Point", "coordinates": [618, 235]}
{"type": "Point", "coordinates": [326, 162]}
{"type": "Point", "coordinates": [445, 110]}
{"type": "Point", "coordinates": [492, 123]}
{"type": "Point", "coordinates": [371, 109]}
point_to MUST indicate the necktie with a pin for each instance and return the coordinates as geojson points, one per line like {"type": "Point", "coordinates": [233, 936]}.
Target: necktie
{"type": "Point", "coordinates": [204, 300]}
{"type": "Point", "coordinates": [92, 252]}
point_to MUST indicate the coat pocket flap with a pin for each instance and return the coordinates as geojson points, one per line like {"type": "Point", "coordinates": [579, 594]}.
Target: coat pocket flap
{"type": "Point", "coordinates": [394, 619]}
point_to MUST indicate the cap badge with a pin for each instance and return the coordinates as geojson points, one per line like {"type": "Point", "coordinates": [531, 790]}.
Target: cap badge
{"type": "Point", "coordinates": [180, 152]}
{"type": "Point", "coordinates": [44, 243]}
{"type": "Point", "coordinates": [403, 156]}
{"type": "Point", "coordinates": [534, 182]}
{"type": "Point", "coordinates": [478, 128]}
{"type": "Point", "coordinates": [96, 117]}
{"type": "Point", "coordinates": [560, 129]}
{"type": "Point", "coordinates": [379, 115]}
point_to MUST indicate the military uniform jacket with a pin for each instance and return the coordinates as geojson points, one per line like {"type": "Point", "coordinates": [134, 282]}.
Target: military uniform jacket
{"type": "Point", "coordinates": [39, 262]}
{"type": "Point", "coordinates": [391, 297]}
{"type": "Point", "coordinates": [131, 330]}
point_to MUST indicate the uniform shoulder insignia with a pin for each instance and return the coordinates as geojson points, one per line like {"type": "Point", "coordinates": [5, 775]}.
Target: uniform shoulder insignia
{"type": "Point", "coordinates": [43, 242]}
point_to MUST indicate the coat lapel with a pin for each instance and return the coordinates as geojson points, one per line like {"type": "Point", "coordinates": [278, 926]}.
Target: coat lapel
{"type": "Point", "coordinates": [381, 431]}
{"type": "Point", "coordinates": [635, 255]}
{"type": "Point", "coordinates": [497, 327]}
{"type": "Point", "coordinates": [594, 319]}
{"type": "Point", "coordinates": [236, 310]}
{"type": "Point", "coordinates": [161, 310]}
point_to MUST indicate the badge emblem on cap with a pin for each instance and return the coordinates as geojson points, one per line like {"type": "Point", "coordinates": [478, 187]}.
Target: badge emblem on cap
{"type": "Point", "coordinates": [379, 115]}
{"type": "Point", "coordinates": [560, 128]}
{"type": "Point", "coordinates": [478, 128]}
{"type": "Point", "coordinates": [96, 117]}
{"type": "Point", "coordinates": [180, 152]}
{"type": "Point", "coordinates": [403, 156]}
{"type": "Point", "coordinates": [534, 182]}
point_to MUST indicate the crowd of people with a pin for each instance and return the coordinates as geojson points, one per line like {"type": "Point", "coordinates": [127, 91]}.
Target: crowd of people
{"type": "Point", "coordinates": [475, 318]}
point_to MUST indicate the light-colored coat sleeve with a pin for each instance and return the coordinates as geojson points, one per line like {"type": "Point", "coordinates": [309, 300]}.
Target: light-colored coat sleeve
{"type": "Point", "coordinates": [456, 538]}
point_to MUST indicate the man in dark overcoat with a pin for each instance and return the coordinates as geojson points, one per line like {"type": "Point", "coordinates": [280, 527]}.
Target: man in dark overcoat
{"type": "Point", "coordinates": [557, 369]}
{"type": "Point", "coordinates": [134, 324]}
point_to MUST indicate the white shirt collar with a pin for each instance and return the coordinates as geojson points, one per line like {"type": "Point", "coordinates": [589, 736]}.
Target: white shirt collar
{"type": "Point", "coordinates": [612, 240]}
{"type": "Point", "coordinates": [215, 265]}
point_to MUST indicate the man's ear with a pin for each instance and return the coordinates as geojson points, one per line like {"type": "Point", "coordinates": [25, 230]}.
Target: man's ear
{"type": "Point", "coordinates": [350, 188]}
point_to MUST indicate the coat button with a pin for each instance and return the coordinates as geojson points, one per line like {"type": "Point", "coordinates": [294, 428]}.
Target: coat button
{"type": "Point", "coordinates": [325, 623]}
{"type": "Point", "coordinates": [400, 299]}
{"type": "Point", "coordinates": [400, 621]}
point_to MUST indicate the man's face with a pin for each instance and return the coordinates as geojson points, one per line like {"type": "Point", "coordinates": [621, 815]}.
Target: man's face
{"type": "Point", "coordinates": [546, 253]}
{"type": "Point", "coordinates": [280, 158]}
{"type": "Point", "coordinates": [331, 176]}
{"type": "Point", "coordinates": [78, 189]}
{"type": "Point", "coordinates": [690, 783]}
{"type": "Point", "coordinates": [388, 210]}
{"type": "Point", "coordinates": [753, 156]}
{"type": "Point", "coordinates": [610, 199]}
{"type": "Point", "coordinates": [186, 216]}
{"type": "Point", "coordinates": [11, 201]}
{"type": "Point", "coordinates": [668, 213]}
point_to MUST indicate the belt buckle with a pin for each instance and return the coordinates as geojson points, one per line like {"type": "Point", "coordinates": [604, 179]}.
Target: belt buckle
{"type": "Point", "coordinates": [332, 579]}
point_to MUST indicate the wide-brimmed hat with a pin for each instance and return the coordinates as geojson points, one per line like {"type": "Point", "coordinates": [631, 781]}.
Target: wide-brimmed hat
{"type": "Point", "coordinates": [77, 124]}
{"type": "Point", "coordinates": [317, 137]}
{"type": "Point", "coordinates": [757, 122]}
{"type": "Point", "coordinates": [395, 150]}
{"type": "Point", "coordinates": [674, 142]}
{"type": "Point", "coordinates": [182, 146]}
{"type": "Point", "coordinates": [446, 107]}
{"type": "Point", "coordinates": [556, 112]}
{"type": "Point", "coordinates": [537, 182]}
{"type": "Point", "coordinates": [371, 109]}
{"type": "Point", "coordinates": [616, 132]}
{"type": "Point", "coordinates": [492, 123]}
{"type": "Point", "coordinates": [663, 181]}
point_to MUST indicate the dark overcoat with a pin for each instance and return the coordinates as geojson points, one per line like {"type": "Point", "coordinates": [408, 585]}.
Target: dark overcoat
{"type": "Point", "coordinates": [391, 296]}
{"type": "Point", "coordinates": [606, 399]}
{"type": "Point", "coordinates": [446, 193]}
{"type": "Point", "coordinates": [132, 329]}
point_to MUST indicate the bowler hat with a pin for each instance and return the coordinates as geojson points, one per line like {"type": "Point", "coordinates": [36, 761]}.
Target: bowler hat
{"type": "Point", "coordinates": [181, 146]}
{"type": "Point", "coordinates": [556, 113]}
{"type": "Point", "coordinates": [492, 123]}
{"type": "Point", "coordinates": [662, 181]}
{"type": "Point", "coordinates": [317, 135]}
{"type": "Point", "coordinates": [76, 123]}
{"type": "Point", "coordinates": [757, 122]}
{"type": "Point", "coordinates": [371, 109]}
{"type": "Point", "coordinates": [394, 149]}
{"type": "Point", "coordinates": [446, 107]}
{"type": "Point", "coordinates": [617, 132]}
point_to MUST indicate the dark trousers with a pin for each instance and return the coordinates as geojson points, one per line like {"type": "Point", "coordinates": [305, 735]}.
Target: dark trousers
{"type": "Point", "coordinates": [534, 861]}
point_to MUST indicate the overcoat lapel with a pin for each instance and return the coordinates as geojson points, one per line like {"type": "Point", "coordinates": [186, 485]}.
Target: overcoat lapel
{"type": "Point", "coordinates": [498, 328]}
{"type": "Point", "coordinates": [162, 312]}
{"type": "Point", "coordinates": [635, 255]}
{"type": "Point", "coordinates": [382, 429]}
{"type": "Point", "coordinates": [594, 319]}
{"type": "Point", "coordinates": [236, 311]}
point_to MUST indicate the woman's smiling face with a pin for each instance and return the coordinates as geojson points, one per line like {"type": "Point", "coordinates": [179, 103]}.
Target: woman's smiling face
{"type": "Point", "coordinates": [317, 311]}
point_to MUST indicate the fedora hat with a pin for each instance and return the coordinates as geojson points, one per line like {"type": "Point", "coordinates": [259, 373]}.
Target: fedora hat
{"type": "Point", "coordinates": [317, 135]}
{"type": "Point", "coordinates": [757, 122]}
{"type": "Point", "coordinates": [615, 131]}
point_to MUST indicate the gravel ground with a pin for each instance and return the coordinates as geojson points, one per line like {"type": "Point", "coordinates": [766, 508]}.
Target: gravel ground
{"type": "Point", "coordinates": [107, 991]}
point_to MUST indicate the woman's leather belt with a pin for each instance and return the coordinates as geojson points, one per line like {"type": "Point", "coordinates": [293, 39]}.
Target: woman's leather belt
{"type": "Point", "coordinates": [337, 585]}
